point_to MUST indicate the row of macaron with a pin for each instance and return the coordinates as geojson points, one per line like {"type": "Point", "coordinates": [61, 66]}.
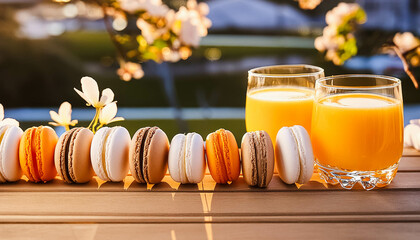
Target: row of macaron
{"type": "Point", "coordinates": [78, 154]}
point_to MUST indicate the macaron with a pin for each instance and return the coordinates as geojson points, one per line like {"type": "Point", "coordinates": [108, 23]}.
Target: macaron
{"type": "Point", "coordinates": [10, 170]}
{"type": "Point", "coordinates": [36, 153]}
{"type": "Point", "coordinates": [72, 156]}
{"type": "Point", "coordinates": [257, 154]}
{"type": "Point", "coordinates": [294, 155]}
{"type": "Point", "coordinates": [187, 162]}
{"type": "Point", "coordinates": [149, 151]}
{"type": "Point", "coordinates": [109, 153]}
{"type": "Point", "coordinates": [223, 156]}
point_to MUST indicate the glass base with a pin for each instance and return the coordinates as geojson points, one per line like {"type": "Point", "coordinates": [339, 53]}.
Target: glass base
{"type": "Point", "coordinates": [347, 179]}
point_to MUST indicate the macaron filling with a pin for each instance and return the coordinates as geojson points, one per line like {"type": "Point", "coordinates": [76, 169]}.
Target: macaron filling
{"type": "Point", "coordinates": [31, 155]}
{"type": "Point", "coordinates": [70, 161]}
{"type": "Point", "coordinates": [261, 159]}
{"type": "Point", "coordinates": [64, 156]}
{"type": "Point", "coordinates": [2, 134]}
{"type": "Point", "coordinates": [187, 159]}
{"type": "Point", "coordinates": [222, 154]}
{"type": "Point", "coordinates": [104, 151]}
{"type": "Point", "coordinates": [253, 160]}
{"type": "Point", "coordinates": [37, 146]}
{"type": "Point", "coordinates": [139, 153]}
{"type": "Point", "coordinates": [146, 146]}
{"type": "Point", "coordinates": [2, 143]}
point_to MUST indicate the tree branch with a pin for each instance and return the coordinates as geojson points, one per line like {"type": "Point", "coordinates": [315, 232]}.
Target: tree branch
{"type": "Point", "coordinates": [108, 26]}
{"type": "Point", "coordinates": [406, 66]}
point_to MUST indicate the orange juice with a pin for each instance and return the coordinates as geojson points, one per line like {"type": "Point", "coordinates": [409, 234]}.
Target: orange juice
{"type": "Point", "coordinates": [272, 108]}
{"type": "Point", "coordinates": [357, 131]}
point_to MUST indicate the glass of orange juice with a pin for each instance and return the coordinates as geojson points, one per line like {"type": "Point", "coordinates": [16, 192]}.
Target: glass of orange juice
{"type": "Point", "coordinates": [280, 96]}
{"type": "Point", "coordinates": [357, 129]}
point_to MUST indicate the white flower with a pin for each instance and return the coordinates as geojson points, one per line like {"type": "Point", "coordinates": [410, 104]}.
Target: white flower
{"type": "Point", "coordinates": [63, 117]}
{"type": "Point", "coordinates": [200, 11]}
{"type": "Point", "coordinates": [186, 25]}
{"type": "Point", "coordinates": [107, 114]}
{"type": "Point", "coordinates": [153, 7]}
{"type": "Point", "coordinates": [406, 41]}
{"type": "Point", "coordinates": [412, 135]}
{"type": "Point", "coordinates": [6, 121]}
{"type": "Point", "coordinates": [90, 93]}
{"type": "Point", "coordinates": [309, 4]}
{"type": "Point", "coordinates": [336, 16]}
{"type": "Point", "coordinates": [129, 70]}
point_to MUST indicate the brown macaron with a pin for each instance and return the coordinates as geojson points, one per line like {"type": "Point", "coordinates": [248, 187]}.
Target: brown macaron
{"type": "Point", "coordinates": [257, 158]}
{"type": "Point", "coordinates": [72, 156]}
{"type": "Point", "coordinates": [149, 151]}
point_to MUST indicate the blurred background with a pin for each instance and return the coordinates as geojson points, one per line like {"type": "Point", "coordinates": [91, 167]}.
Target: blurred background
{"type": "Point", "coordinates": [46, 47]}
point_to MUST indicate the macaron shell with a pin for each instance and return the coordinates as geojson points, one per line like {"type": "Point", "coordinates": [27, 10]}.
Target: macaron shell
{"type": "Point", "coordinates": [287, 156]}
{"type": "Point", "coordinates": [257, 164]}
{"type": "Point", "coordinates": [57, 153]}
{"type": "Point", "coordinates": [215, 159]}
{"type": "Point", "coordinates": [25, 154]}
{"type": "Point", "coordinates": [249, 159]}
{"type": "Point", "coordinates": [2, 133]}
{"type": "Point", "coordinates": [269, 158]}
{"type": "Point", "coordinates": [305, 152]}
{"type": "Point", "coordinates": [176, 158]}
{"type": "Point", "coordinates": [157, 157]}
{"type": "Point", "coordinates": [223, 156]}
{"type": "Point", "coordinates": [96, 148]}
{"type": "Point", "coordinates": [116, 155]}
{"type": "Point", "coordinates": [48, 141]}
{"type": "Point", "coordinates": [81, 164]}
{"type": "Point", "coordinates": [233, 163]}
{"type": "Point", "coordinates": [195, 161]}
{"type": "Point", "coordinates": [10, 166]}
{"type": "Point", "coordinates": [134, 155]}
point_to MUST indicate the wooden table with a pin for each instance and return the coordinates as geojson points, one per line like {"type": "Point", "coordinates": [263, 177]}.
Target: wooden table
{"type": "Point", "coordinates": [99, 210]}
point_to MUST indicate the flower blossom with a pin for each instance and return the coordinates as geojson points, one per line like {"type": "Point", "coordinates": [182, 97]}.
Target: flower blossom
{"type": "Point", "coordinates": [107, 115]}
{"type": "Point", "coordinates": [154, 7]}
{"type": "Point", "coordinates": [338, 40]}
{"type": "Point", "coordinates": [406, 41]}
{"type": "Point", "coordinates": [309, 4]}
{"type": "Point", "coordinates": [6, 121]}
{"type": "Point", "coordinates": [129, 70]}
{"type": "Point", "coordinates": [63, 117]}
{"type": "Point", "coordinates": [90, 93]}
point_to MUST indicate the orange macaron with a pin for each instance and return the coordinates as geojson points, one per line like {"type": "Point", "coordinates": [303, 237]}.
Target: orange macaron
{"type": "Point", "coordinates": [223, 156]}
{"type": "Point", "coordinates": [36, 154]}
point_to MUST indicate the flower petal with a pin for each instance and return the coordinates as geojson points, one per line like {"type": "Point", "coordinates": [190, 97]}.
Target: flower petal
{"type": "Point", "coordinates": [83, 96]}
{"type": "Point", "coordinates": [1, 112]}
{"type": "Point", "coordinates": [116, 119]}
{"type": "Point", "coordinates": [108, 113]}
{"type": "Point", "coordinates": [107, 96]}
{"type": "Point", "coordinates": [90, 89]}
{"type": "Point", "coordinates": [54, 124]}
{"type": "Point", "coordinates": [65, 112]}
{"type": "Point", "coordinates": [55, 117]}
{"type": "Point", "coordinates": [9, 121]}
{"type": "Point", "coordinates": [73, 123]}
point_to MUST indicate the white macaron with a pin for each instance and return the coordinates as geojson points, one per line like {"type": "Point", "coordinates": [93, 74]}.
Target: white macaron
{"type": "Point", "coordinates": [186, 160]}
{"type": "Point", "coordinates": [412, 135]}
{"type": "Point", "coordinates": [109, 153]}
{"type": "Point", "coordinates": [10, 170]}
{"type": "Point", "coordinates": [294, 155]}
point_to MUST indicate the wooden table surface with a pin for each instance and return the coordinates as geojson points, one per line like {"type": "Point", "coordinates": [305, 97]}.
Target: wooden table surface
{"type": "Point", "coordinates": [103, 210]}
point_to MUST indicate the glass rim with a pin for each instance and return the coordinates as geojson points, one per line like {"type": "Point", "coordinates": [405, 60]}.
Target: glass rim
{"type": "Point", "coordinates": [394, 82]}
{"type": "Point", "coordinates": [319, 70]}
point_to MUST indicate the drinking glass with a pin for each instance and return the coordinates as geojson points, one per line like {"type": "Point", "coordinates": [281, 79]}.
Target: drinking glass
{"type": "Point", "coordinates": [357, 129]}
{"type": "Point", "coordinates": [279, 96]}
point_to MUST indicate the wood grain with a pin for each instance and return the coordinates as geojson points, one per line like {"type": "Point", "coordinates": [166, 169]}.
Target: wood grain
{"type": "Point", "coordinates": [104, 210]}
{"type": "Point", "coordinates": [245, 231]}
